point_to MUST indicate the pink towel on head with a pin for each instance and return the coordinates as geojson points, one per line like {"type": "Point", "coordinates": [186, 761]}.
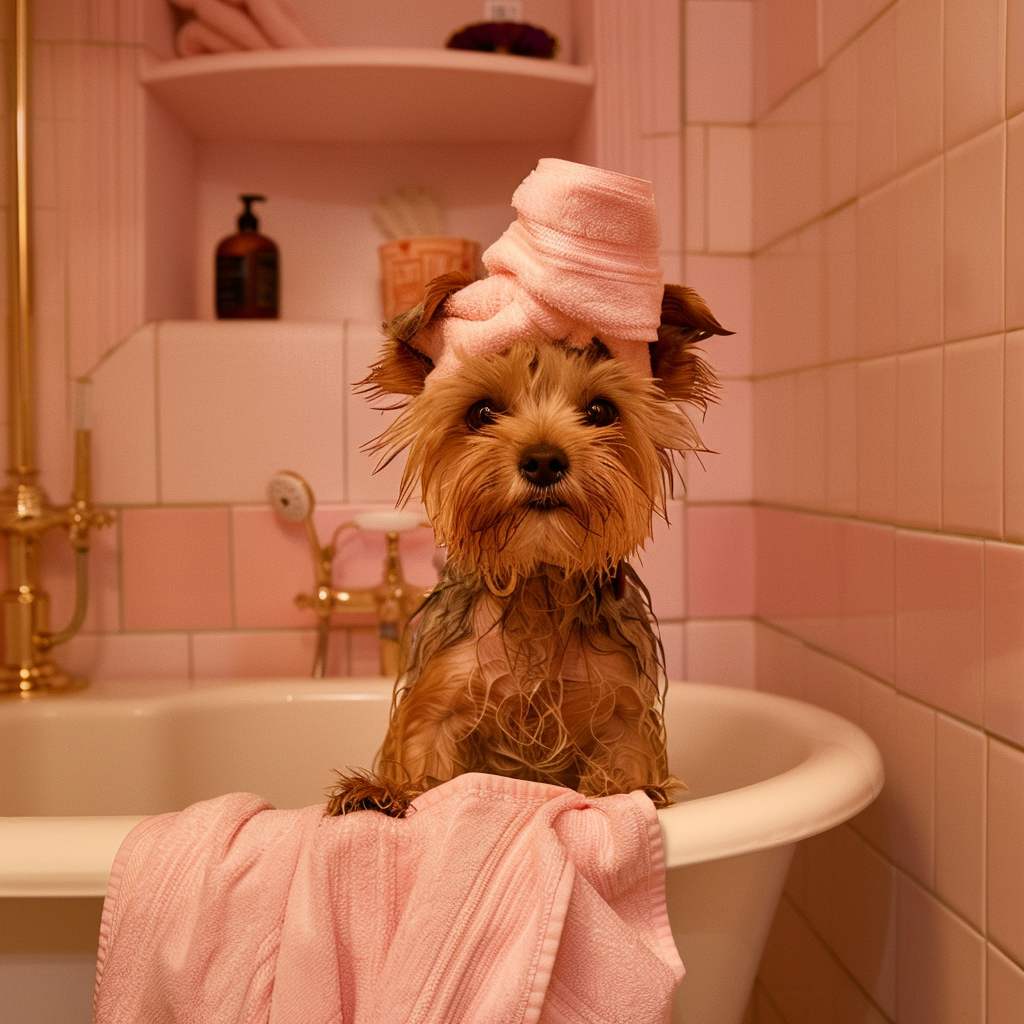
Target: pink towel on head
{"type": "Point", "coordinates": [494, 901]}
{"type": "Point", "coordinates": [580, 261]}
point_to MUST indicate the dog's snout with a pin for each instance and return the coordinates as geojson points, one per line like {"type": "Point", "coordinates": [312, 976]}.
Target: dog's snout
{"type": "Point", "coordinates": [543, 465]}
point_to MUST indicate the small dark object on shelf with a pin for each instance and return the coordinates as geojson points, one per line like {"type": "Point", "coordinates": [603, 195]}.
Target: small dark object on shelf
{"type": "Point", "coordinates": [246, 279]}
{"type": "Point", "coordinates": [505, 37]}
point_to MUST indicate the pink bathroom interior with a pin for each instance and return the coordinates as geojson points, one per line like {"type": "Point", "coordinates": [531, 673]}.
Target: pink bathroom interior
{"type": "Point", "coordinates": [843, 181]}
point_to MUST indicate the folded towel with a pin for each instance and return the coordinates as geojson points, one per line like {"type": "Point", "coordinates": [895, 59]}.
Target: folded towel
{"type": "Point", "coordinates": [495, 900]}
{"type": "Point", "coordinates": [217, 26]}
{"type": "Point", "coordinates": [580, 261]}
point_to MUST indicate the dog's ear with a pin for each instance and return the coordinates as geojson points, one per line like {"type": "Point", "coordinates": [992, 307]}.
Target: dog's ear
{"type": "Point", "coordinates": [678, 369]}
{"type": "Point", "coordinates": [403, 368]}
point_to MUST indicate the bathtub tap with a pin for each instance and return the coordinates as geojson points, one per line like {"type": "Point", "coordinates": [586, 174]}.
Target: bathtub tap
{"type": "Point", "coordinates": [392, 601]}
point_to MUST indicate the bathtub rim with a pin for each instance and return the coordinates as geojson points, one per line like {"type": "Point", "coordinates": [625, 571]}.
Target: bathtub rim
{"type": "Point", "coordinates": [842, 774]}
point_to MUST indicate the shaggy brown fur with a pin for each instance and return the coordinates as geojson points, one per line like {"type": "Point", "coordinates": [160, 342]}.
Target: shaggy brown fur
{"type": "Point", "coordinates": [536, 656]}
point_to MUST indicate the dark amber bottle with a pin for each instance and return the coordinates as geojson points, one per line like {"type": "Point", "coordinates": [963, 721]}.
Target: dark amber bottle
{"type": "Point", "coordinates": [247, 270]}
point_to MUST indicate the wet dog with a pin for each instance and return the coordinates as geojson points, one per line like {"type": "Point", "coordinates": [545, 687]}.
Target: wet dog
{"type": "Point", "coordinates": [541, 468]}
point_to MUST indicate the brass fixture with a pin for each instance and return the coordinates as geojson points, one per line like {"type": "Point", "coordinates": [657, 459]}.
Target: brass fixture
{"type": "Point", "coordinates": [25, 511]}
{"type": "Point", "coordinates": [393, 601]}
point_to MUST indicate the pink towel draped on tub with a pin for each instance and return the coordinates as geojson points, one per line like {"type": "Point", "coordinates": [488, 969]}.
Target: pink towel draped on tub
{"type": "Point", "coordinates": [495, 900]}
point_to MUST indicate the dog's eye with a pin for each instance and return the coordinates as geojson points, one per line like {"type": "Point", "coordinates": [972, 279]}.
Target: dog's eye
{"type": "Point", "coordinates": [481, 414]}
{"type": "Point", "coordinates": [601, 413]}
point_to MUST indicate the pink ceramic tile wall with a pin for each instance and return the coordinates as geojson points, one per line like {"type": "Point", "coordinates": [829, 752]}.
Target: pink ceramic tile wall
{"type": "Point", "coordinates": [912, 623]}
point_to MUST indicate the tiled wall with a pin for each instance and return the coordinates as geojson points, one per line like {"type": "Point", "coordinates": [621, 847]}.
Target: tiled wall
{"type": "Point", "coordinates": [196, 581]}
{"type": "Point", "coordinates": [888, 450]}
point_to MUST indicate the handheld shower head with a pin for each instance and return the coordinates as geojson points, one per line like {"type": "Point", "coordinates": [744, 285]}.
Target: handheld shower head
{"type": "Point", "coordinates": [291, 496]}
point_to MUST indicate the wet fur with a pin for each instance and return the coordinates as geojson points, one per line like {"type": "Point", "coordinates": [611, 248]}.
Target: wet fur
{"type": "Point", "coordinates": [536, 656]}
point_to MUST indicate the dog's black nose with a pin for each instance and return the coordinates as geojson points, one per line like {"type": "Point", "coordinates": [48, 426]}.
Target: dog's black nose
{"type": "Point", "coordinates": [543, 464]}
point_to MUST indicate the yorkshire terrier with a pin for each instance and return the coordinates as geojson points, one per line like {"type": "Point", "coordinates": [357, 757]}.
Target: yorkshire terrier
{"type": "Point", "coordinates": [541, 467]}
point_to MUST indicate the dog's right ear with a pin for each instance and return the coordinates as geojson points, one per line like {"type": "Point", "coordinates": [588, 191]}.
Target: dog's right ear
{"type": "Point", "coordinates": [403, 369]}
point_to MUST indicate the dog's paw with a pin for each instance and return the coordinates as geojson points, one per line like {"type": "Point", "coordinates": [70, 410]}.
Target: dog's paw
{"type": "Point", "coordinates": [364, 791]}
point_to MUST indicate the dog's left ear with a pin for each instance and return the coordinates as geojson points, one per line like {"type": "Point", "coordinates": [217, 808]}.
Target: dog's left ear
{"type": "Point", "coordinates": [678, 369]}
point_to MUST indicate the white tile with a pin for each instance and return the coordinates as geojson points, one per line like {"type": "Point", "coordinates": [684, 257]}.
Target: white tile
{"type": "Point", "coordinates": [730, 196]}
{"type": "Point", "coordinates": [124, 454]}
{"type": "Point", "coordinates": [241, 400]}
{"type": "Point", "coordinates": [721, 651]}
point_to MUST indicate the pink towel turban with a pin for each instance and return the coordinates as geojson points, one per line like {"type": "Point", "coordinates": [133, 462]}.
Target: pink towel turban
{"type": "Point", "coordinates": [579, 262]}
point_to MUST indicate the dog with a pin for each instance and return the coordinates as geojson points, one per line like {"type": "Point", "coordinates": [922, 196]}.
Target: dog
{"type": "Point", "coordinates": [541, 467]}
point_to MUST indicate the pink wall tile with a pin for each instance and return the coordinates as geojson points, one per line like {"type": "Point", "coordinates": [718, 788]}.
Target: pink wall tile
{"type": "Point", "coordinates": [840, 287]}
{"type": "Point", "coordinates": [781, 661]}
{"type": "Point", "coordinates": [774, 441]}
{"type": "Point", "coordinates": [941, 963]}
{"type": "Point", "coordinates": [835, 686]}
{"type": "Point", "coordinates": [1004, 640]}
{"type": "Point", "coordinates": [1013, 437]}
{"type": "Point", "coordinates": [176, 568]}
{"type": "Point", "coordinates": [798, 582]}
{"type": "Point", "coordinates": [1015, 221]}
{"type": "Point", "coordinates": [720, 560]}
{"type": "Point", "coordinates": [1006, 848]}
{"type": "Point", "coordinates": [879, 821]}
{"type": "Point", "coordinates": [721, 651]}
{"type": "Point", "coordinates": [696, 188]}
{"type": "Point", "coordinates": [864, 631]}
{"type": "Point", "coordinates": [972, 437]}
{"type": "Point", "coordinates": [841, 20]}
{"type": "Point", "coordinates": [725, 472]}
{"type": "Point", "coordinates": [975, 63]}
{"type": "Point", "coordinates": [788, 303]}
{"type": "Point", "coordinates": [919, 439]}
{"type": "Point", "coordinates": [271, 564]}
{"type": "Point", "coordinates": [124, 423]}
{"type": "Point", "coordinates": [840, 122]}
{"type": "Point", "coordinates": [973, 244]}
{"type": "Point", "coordinates": [841, 436]}
{"type": "Point", "coordinates": [673, 641]}
{"type": "Point", "coordinates": [719, 36]}
{"type": "Point", "coordinates": [939, 621]}
{"type": "Point", "coordinates": [919, 257]}
{"type": "Point", "coordinates": [661, 563]}
{"type": "Point", "coordinates": [876, 104]}
{"type": "Point", "coordinates": [804, 980]}
{"type": "Point", "coordinates": [913, 789]}
{"type": "Point", "coordinates": [918, 81]}
{"type": "Point", "coordinates": [1005, 989]}
{"type": "Point", "coordinates": [282, 653]}
{"type": "Point", "coordinates": [661, 77]}
{"type": "Point", "coordinates": [877, 270]}
{"type": "Point", "coordinates": [811, 439]}
{"type": "Point", "coordinates": [1014, 59]}
{"type": "Point", "coordinates": [789, 193]}
{"type": "Point", "coordinates": [960, 762]}
{"type": "Point", "coordinates": [851, 902]}
{"type": "Point", "coordinates": [220, 442]}
{"type": "Point", "coordinates": [662, 165]}
{"type": "Point", "coordinates": [57, 567]}
{"type": "Point", "coordinates": [726, 284]}
{"type": "Point", "coordinates": [876, 439]}
{"type": "Point", "coordinates": [136, 662]}
{"type": "Point", "coordinates": [730, 165]}
{"type": "Point", "coordinates": [785, 48]}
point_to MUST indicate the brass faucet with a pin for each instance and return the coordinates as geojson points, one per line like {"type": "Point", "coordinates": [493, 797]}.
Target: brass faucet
{"type": "Point", "coordinates": [25, 511]}
{"type": "Point", "coordinates": [393, 601]}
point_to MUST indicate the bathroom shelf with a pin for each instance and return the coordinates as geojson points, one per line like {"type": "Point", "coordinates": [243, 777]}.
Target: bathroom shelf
{"type": "Point", "coordinates": [362, 94]}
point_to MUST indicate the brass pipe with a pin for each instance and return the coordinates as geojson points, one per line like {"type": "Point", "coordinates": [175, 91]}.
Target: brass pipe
{"type": "Point", "coordinates": [21, 408]}
{"type": "Point", "coordinates": [25, 512]}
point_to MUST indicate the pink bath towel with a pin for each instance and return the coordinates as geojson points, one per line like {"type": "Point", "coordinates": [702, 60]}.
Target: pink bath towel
{"type": "Point", "coordinates": [493, 901]}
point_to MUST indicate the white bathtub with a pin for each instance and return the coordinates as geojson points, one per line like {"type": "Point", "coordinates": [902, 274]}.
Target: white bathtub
{"type": "Point", "coordinates": [77, 772]}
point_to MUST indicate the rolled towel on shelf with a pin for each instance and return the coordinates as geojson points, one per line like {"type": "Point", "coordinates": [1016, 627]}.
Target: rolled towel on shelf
{"type": "Point", "coordinates": [195, 38]}
{"type": "Point", "coordinates": [221, 26]}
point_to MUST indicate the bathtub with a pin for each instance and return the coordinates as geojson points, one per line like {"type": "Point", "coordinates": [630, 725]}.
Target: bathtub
{"type": "Point", "coordinates": [79, 771]}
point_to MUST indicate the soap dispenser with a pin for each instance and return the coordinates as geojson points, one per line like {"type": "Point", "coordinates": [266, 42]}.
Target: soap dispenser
{"type": "Point", "coordinates": [247, 270]}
